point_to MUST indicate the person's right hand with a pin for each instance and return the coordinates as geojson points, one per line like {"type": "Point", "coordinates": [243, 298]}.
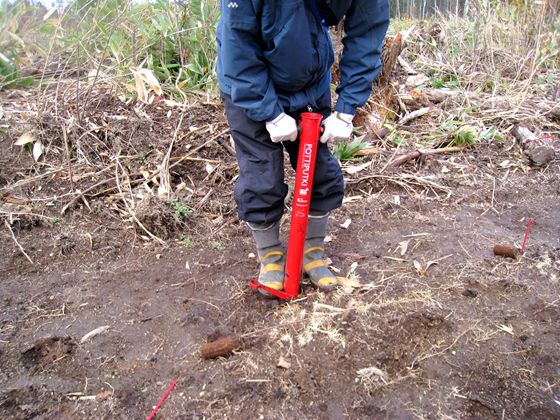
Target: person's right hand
{"type": "Point", "coordinates": [282, 128]}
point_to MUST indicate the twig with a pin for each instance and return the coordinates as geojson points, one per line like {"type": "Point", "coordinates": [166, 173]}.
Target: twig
{"type": "Point", "coordinates": [17, 243]}
{"type": "Point", "coordinates": [23, 182]}
{"type": "Point", "coordinates": [130, 211]}
{"type": "Point", "coordinates": [67, 150]}
{"type": "Point", "coordinates": [165, 185]}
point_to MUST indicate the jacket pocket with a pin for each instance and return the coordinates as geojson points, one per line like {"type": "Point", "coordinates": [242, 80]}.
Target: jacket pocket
{"type": "Point", "coordinates": [292, 55]}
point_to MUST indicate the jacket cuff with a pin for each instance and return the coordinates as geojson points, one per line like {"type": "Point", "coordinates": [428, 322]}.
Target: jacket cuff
{"type": "Point", "coordinates": [345, 108]}
{"type": "Point", "coordinates": [277, 111]}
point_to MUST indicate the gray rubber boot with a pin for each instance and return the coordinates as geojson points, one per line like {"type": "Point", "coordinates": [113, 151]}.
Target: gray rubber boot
{"type": "Point", "coordinates": [314, 257]}
{"type": "Point", "coordinates": [271, 255]}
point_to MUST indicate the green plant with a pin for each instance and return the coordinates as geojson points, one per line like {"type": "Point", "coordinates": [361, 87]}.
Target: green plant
{"type": "Point", "coordinates": [20, 24]}
{"type": "Point", "coordinates": [440, 81]}
{"type": "Point", "coordinates": [173, 39]}
{"type": "Point", "coordinates": [491, 134]}
{"type": "Point", "coordinates": [466, 135]}
{"type": "Point", "coordinates": [186, 242]}
{"type": "Point", "coordinates": [180, 210]}
{"type": "Point", "coordinates": [346, 150]}
{"type": "Point", "coordinates": [218, 246]}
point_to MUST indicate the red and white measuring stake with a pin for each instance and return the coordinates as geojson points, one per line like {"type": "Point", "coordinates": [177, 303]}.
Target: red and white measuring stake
{"type": "Point", "coordinates": [310, 132]}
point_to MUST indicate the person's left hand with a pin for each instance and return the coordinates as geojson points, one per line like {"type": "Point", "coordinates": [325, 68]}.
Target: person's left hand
{"type": "Point", "coordinates": [337, 126]}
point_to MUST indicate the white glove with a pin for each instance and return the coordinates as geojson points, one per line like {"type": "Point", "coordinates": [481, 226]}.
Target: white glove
{"type": "Point", "coordinates": [282, 128]}
{"type": "Point", "coordinates": [337, 126]}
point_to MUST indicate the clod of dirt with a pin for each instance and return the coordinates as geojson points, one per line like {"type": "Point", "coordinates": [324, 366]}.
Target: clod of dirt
{"type": "Point", "coordinates": [19, 398]}
{"type": "Point", "coordinates": [157, 217]}
{"type": "Point", "coordinates": [470, 293]}
{"type": "Point", "coordinates": [541, 155]}
{"type": "Point", "coordinates": [47, 351]}
{"type": "Point", "coordinates": [25, 222]}
{"type": "Point", "coordinates": [63, 244]}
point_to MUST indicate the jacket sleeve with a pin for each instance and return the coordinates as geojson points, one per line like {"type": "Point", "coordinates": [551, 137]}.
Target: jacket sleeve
{"type": "Point", "coordinates": [242, 61]}
{"type": "Point", "coordinates": [365, 27]}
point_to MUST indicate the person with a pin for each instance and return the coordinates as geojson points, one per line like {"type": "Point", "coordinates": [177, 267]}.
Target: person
{"type": "Point", "coordinates": [274, 60]}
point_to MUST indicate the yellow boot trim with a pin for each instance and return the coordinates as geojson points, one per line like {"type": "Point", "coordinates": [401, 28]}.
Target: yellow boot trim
{"type": "Point", "coordinates": [315, 248]}
{"type": "Point", "coordinates": [313, 264]}
{"type": "Point", "coordinates": [271, 267]}
{"type": "Point", "coordinates": [270, 254]}
{"type": "Point", "coordinates": [274, 285]}
{"type": "Point", "coordinates": [326, 281]}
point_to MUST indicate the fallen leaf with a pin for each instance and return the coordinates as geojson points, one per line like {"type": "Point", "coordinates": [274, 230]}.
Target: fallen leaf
{"type": "Point", "coordinates": [346, 224]}
{"type": "Point", "coordinates": [419, 269]}
{"type": "Point", "coordinates": [357, 168]}
{"type": "Point", "coordinates": [417, 80]}
{"type": "Point", "coordinates": [367, 373]}
{"type": "Point", "coordinates": [351, 199]}
{"type": "Point", "coordinates": [283, 363]}
{"type": "Point", "coordinates": [430, 263]}
{"type": "Point", "coordinates": [145, 81]}
{"type": "Point", "coordinates": [93, 333]}
{"type": "Point", "coordinates": [37, 150]}
{"type": "Point", "coordinates": [181, 187]}
{"type": "Point", "coordinates": [24, 139]}
{"type": "Point", "coordinates": [403, 246]}
{"type": "Point", "coordinates": [49, 13]}
{"type": "Point", "coordinates": [172, 103]}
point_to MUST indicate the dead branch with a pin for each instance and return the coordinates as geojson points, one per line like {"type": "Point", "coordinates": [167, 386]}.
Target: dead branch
{"type": "Point", "coordinates": [16, 241]}
{"type": "Point", "coordinates": [488, 101]}
{"type": "Point", "coordinates": [417, 153]}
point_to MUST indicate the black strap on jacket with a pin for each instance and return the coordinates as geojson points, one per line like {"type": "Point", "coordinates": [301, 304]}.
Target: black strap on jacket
{"type": "Point", "coordinates": [332, 11]}
{"type": "Point", "coordinates": [314, 6]}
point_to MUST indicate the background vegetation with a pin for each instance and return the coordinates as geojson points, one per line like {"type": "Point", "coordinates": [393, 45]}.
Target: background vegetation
{"type": "Point", "coordinates": [175, 40]}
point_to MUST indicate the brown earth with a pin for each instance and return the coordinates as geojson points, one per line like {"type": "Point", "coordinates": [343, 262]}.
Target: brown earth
{"type": "Point", "coordinates": [440, 328]}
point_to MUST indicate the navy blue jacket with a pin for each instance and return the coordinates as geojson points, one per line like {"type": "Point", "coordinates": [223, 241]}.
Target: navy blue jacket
{"type": "Point", "coordinates": [276, 54]}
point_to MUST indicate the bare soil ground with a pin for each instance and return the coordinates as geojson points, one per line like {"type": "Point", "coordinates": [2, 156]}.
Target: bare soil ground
{"type": "Point", "coordinates": [439, 328]}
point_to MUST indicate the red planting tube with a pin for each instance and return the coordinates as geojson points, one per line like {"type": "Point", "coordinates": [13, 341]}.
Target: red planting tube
{"type": "Point", "coordinates": [310, 131]}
